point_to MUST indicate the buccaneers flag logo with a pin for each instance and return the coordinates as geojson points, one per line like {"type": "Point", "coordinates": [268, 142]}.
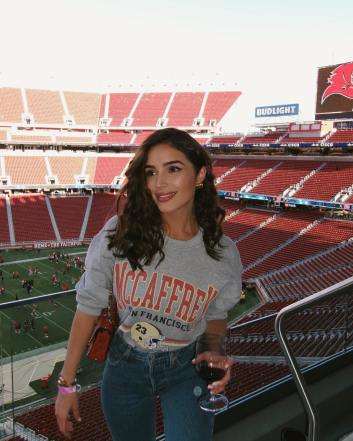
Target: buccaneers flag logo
{"type": "Point", "coordinates": [341, 82]}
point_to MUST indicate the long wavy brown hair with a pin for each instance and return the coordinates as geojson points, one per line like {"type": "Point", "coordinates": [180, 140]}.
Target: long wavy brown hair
{"type": "Point", "coordinates": [139, 234]}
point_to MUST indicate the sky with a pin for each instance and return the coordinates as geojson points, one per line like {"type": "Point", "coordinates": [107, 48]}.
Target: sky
{"type": "Point", "coordinates": [269, 50]}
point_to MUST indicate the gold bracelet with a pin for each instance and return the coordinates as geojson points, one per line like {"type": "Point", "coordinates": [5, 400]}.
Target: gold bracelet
{"type": "Point", "coordinates": [63, 383]}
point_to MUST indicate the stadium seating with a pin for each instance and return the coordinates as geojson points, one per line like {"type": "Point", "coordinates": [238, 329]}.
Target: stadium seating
{"type": "Point", "coordinates": [120, 107]}
{"type": "Point", "coordinates": [66, 168]}
{"type": "Point", "coordinates": [288, 139]}
{"type": "Point", "coordinates": [309, 276]}
{"type": "Point", "coordinates": [245, 173]}
{"type": "Point", "coordinates": [274, 234]}
{"type": "Point", "coordinates": [323, 235]}
{"type": "Point", "coordinates": [150, 108]}
{"type": "Point", "coordinates": [116, 137]}
{"type": "Point", "coordinates": [11, 106]}
{"type": "Point", "coordinates": [244, 222]}
{"type": "Point", "coordinates": [4, 229]}
{"type": "Point", "coordinates": [31, 219]}
{"type": "Point", "coordinates": [328, 181]}
{"type": "Point", "coordinates": [140, 137]}
{"type": "Point", "coordinates": [83, 107]}
{"type": "Point", "coordinates": [31, 137]}
{"type": "Point", "coordinates": [102, 209]}
{"type": "Point", "coordinates": [222, 166]}
{"type": "Point", "coordinates": [69, 213]}
{"type": "Point", "coordinates": [288, 173]}
{"type": "Point", "coordinates": [107, 168]}
{"type": "Point", "coordinates": [26, 170]}
{"type": "Point", "coordinates": [217, 104]}
{"type": "Point", "coordinates": [45, 106]}
{"type": "Point", "coordinates": [268, 137]}
{"type": "Point", "coordinates": [184, 109]}
{"type": "Point", "coordinates": [225, 139]}
{"type": "Point", "coordinates": [341, 135]}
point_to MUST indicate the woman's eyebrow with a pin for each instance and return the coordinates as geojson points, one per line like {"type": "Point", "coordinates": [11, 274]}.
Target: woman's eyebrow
{"type": "Point", "coordinates": [166, 163]}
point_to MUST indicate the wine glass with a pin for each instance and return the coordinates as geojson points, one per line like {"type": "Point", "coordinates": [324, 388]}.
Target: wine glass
{"type": "Point", "coordinates": [212, 365]}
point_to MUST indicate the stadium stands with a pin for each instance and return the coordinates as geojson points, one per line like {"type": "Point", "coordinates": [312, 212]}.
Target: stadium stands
{"type": "Point", "coordinates": [328, 181]}
{"type": "Point", "coordinates": [341, 135]}
{"type": "Point", "coordinates": [116, 137]}
{"type": "Point", "coordinates": [74, 111]}
{"type": "Point", "coordinates": [184, 109]}
{"type": "Point", "coordinates": [217, 104]}
{"type": "Point", "coordinates": [288, 173]}
{"type": "Point", "coordinates": [102, 208]}
{"type": "Point", "coordinates": [268, 137]}
{"type": "Point", "coordinates": [31, 218]}
{"type": "Point", "coordinates": [107, 168]}
{"type": "Point", "coordinates": [150, 108]}
{"type": "Point", "coordinates": [287, 254]}
{"type": "Point", "coordinates": [11, 107]}
{"type": "Point", "coordinates": [4, 226]}
{"type": "Point", "coordinates": [26, 170]}
{"type": "Point", "coordinates": [246, 172]}
{"type": "Point", "coordinates": [69, 214]}
{"type": "Point", "coordinates": [83, 107]}
{"type": "Point", "coordinates": [120, 107]}
{"type": "Point", "coordinates": [66, 171]}
{"type": "Point", "coordinates": [45, 106]}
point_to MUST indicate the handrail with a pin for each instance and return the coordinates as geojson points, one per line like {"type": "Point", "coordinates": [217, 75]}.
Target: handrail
{"type": "Point", "coordinates": [313, 429]}
{"type": "Point", "coordinates": [40, 298]}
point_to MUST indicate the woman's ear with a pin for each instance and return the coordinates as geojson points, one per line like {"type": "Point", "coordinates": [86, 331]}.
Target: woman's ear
{"type": "Point", "coordinates": [201, 175]}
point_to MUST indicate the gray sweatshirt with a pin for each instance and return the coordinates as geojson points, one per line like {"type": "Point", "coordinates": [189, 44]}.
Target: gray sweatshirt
{"type": "Point", "coordinates": [165, 306]}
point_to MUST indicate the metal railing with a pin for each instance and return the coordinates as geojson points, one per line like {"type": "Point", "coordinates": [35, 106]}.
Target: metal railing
{"type": "Point", "coordinates": [328, 293]}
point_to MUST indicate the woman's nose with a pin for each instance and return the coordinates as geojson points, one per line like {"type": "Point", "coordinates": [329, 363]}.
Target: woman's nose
{"type": "Point", "coordinates": [161, 180]}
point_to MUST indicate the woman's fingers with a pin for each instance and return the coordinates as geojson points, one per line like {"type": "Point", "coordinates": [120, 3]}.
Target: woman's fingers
{"type": "Point", "coordinates": [63, 406]}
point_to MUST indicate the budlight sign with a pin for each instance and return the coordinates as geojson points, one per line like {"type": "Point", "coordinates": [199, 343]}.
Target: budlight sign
{"type": "Point", "coordinates": [278, 110]}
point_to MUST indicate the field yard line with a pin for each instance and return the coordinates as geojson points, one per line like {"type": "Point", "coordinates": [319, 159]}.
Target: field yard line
{"type": "Point", "coordinates": [55, 323]}
{"type": "Point", "coordinates": [29, 335]}
{"type": "Point", "coordinates": [40, 292]}
{"type": "Point", "coordinates": [39, 258]}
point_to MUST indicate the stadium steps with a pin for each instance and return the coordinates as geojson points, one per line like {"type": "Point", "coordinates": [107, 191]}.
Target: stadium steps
{"type": "Point", "coordinates": [85, 219]}
{"type": "Point", "coordinates": [10, 221]}
{"type": "Point", "coordinates": [283, 245]}
{"type": "Point", "coordinates": [290, 191]}
{"type": "Point", "coordinates": [228, 172]}
{"type": "Point", "coordinates": [309, 259]}
{"type": "Point", "coordinates": [232, 214]}
{"type": "Point", "coordinates": [52, 218]}
{"type": "Point", "coordinates": [343, 195]}
{"type": "Point", "coordinates": [251, 185]}
{"type": "Point", "coordinates": [258, 227]}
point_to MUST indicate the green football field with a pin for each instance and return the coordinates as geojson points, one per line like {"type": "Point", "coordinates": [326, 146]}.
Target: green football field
{"type": "Point", "coordinates": [55, 314]}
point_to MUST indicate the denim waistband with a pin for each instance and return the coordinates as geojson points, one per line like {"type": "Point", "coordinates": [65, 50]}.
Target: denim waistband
{"type": "Point", "coordinates": [183, 355]}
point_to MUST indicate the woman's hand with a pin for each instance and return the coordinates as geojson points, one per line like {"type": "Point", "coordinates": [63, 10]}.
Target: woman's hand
{"type": "Point", "coordinates": [64, 406]}
{"type": "Point", "coordinates": [218, 361]}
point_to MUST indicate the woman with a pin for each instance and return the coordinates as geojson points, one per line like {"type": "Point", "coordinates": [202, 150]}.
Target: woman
{"type": "Point", "coordinates": [174, 276]}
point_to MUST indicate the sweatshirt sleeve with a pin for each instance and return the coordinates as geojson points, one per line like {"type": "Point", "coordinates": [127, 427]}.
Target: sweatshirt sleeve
{"type": "Point", "coordinates": [95, 284]}
{"type": "Point", "coordinates": [229, 295]}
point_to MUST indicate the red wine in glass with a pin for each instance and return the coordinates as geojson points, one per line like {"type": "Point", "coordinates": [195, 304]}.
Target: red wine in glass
{"type": "Point", "coordinates": [212, 368]}
{"type": "Point", "coordinates": [210, 373]}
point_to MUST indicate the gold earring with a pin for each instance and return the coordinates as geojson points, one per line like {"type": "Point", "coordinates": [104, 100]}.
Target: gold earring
{"type": "Point", "coordinates": [199, 186]}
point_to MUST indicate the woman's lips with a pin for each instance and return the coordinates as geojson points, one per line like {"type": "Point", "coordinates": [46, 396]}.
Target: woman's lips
{"type": "Point", "coordinates": [165, 197]}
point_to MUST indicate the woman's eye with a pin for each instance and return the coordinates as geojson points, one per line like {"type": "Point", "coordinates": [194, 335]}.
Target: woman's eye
{"type": "Point", "coordinates": [149, 172]}
{"type": "Point", "coordinates": [174, 169]}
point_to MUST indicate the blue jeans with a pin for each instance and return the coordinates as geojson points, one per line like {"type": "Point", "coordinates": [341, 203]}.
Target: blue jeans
{"type": "Point", "coordinates": [132, 380]}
